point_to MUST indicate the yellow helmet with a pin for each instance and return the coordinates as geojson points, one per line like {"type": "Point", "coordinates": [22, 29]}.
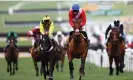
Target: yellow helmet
{"type": "Point", "coordinates": [46, 18]}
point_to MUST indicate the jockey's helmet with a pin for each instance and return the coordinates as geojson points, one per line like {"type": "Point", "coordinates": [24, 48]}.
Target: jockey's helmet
{"type": "Point", "coordinates": [46, 19]}
{"type": "Point", "coordinates": [11, 33]}
{"type": "Point", "coordinates": [116, 22]}
{"type": "Point", "coordinates": [75, 7]}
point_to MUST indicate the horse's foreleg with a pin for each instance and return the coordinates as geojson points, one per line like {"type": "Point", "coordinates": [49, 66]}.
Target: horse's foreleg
{"type": "Point", "coordinates": [51, 69]}
{"type": "Point", "coordinates": [41, 70]}
{"type": "Point", "coordinates": [10, 68]}
{"type": "Point", "coordinates": [7, 67]}
{"type": "Point", "coordinates": [117, 61]}
{"type": "Point", "coordinates": [57, 66]}
{"type": "Point", "coordinates": [36, 68]}
{"type": "Point", "coordinates": [62, 63]}
{"type": "Point", "coordinates": [71, 68]}
{"type": "Point", "coordinates": [44, 70]}
{"type": "Point", "coordinates": [122, 63]}
{"type": "Point", "coordinates": [82, 67]}
{"type": "Point", "coordinates": [110, 63]}
{"type": "Point", "coordinates": [14, 65]}
{"type": "Point", "coordinates": [7, 64]}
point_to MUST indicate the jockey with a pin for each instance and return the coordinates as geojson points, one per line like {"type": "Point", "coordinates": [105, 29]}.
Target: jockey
{"type": "Point", "coordinates": [77, 13]}
{"type": "Point", "coordinates": [35, 33]}
{"type": "Point", "coordinates": [120, 27]}
{"type": "Point", "coordinates": [47, 25]}
{"type": "Point", "coordinates": [11, 35]}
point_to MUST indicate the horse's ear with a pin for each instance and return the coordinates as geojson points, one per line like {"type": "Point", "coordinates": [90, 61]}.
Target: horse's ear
{"type": "Point", "coordinates": [42, 22]}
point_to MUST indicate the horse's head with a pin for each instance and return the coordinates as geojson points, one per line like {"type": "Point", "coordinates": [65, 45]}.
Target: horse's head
{"type": "Point", "coordinates": [59, 38]}
{"type": "Point", "coordinates": [12, 42]}
{"type": "Point", "coordinates": [77, 27]}
{"type": "Point", "coordinates": [77, 31]}
{"type": "Point", "coordinates": [115, 34]}
{"type": "Point", "coordinates": [46, 43]}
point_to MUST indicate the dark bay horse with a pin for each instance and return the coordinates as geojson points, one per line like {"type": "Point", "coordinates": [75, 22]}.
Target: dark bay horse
{"type": "Point", "coordinates": [11, 56]}
{"type": "Point", "coordinates": [47, 56]}
{"type": "Point", "coordinates": [116, 51]}
{"type": "Point", "coordinates": [36, 56]}
{"type": "Point", "coordinates": [77, 48]}
{"type": "Point", "coordinates": [62, 52]}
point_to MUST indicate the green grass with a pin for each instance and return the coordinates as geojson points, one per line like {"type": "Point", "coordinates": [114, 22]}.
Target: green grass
{"type": "Point", "coordinates": [26, 72]}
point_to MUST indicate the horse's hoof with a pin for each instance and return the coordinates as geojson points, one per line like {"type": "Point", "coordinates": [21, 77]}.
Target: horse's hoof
{"type": "Point", "coordinates": [82, 73]}
{"type": "Point", "coordinates": [7, 70]}
{"type": "Point", "coordinates": [71, 78]}
{"type": "Point", "coordinates": [110, 74]}
{"type": "Point", "coordinates": [121, 70]}
{"type": "Point", "coordinates": [13, 73]}
{"type": "Point", "coordinates": [117, 74]}
{"type": "Point", "coordinates": [37, 74]}
{"type": "Point", "coordinates": [50, 79]}
{"type": "Point", "coordinates": [16, 69]}
{"type": "Point", "coordinates": [80, 78]}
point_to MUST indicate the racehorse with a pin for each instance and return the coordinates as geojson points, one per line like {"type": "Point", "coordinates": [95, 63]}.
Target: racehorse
{"type": "Point", "coordinates": [11, 56]}
{"type": "Point", "coordinates": [115, 51]}
{"type": "Point", "coordinates": [77, 48]}
{"type": "Point", "coordinates": [36, 57]}
{"type": "Point", "coordinates": [61, 54]}
{"type": "Point", "coordinates": [47, 56]}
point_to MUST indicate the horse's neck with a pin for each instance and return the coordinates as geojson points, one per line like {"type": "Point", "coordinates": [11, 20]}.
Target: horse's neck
{"type": "Point", "coordinates": [77, 39]}
{"type": "Point", "coordinates": [11, 51]}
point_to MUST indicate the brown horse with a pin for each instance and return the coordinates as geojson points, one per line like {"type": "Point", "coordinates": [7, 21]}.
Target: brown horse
{"type": "Point", "coordinates": [11, 56]}
{"type": "Point", "coordinates": [115, 51]}
{"type": "Point", "coordinates": [61, 53]}
{"type": "Point", "coordinates": [77, 48]}
{"type": "Point", "coordinates": [36, 57]}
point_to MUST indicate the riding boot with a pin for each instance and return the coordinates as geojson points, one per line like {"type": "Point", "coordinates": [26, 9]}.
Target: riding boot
{"type": "Point", "coordinates": [87, 40]}
{"type": "Point", "coordinates": [123, 40]}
